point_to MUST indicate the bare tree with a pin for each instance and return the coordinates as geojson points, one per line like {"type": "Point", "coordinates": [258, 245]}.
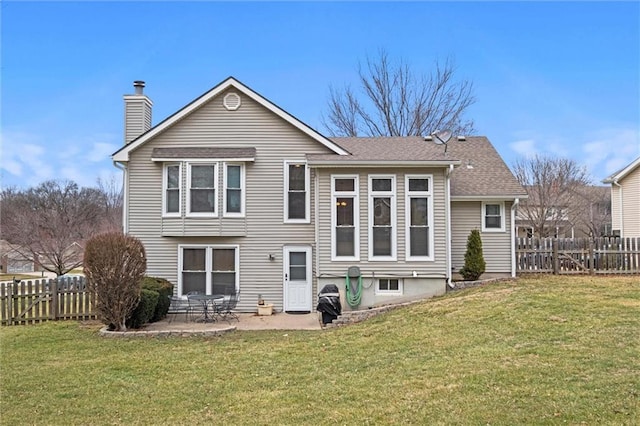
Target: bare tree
{"type": "Point", "coordinates": [115, 265]}
{"type": "Point", "coordinates": [49, 224]}
{"type": "Point", "coordinates": [112, 203]}
{"type": "Point", "coordinates": [555, 187]}
{"type": "Point", "coordinates": [593, 211]}
{"type": "Point", "coordinates": [396, 102]}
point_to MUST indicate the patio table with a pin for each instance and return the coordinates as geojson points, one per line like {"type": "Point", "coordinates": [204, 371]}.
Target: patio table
{"type": "Point", "coordinates": [207, 301]}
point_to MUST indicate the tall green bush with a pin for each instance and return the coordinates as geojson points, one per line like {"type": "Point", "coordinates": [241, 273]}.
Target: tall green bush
{"type": "Point", "coordinates": [164, 288]}
{"type": "Point", "coordinates": [114, 264]}
{"type": "Point", "coordinates": [474, 264]}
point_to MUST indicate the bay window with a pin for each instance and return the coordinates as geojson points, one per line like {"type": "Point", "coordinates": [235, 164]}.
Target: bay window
{"type": "Point", "coordinates": [202, 189]}
{"type": "Point", "coordinates": [172, 183]}
{"type": "Point", "coordinates": [234, 190]}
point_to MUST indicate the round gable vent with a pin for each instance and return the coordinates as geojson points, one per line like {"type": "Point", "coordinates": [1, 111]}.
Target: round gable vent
{"type": "Point", "coordinates": [231, 101]}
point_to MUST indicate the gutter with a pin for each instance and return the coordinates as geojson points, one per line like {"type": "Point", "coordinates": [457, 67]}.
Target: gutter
{"type": "Point", "coordinates": [615, 182]}
{"type": "Point", "coordinates": [513, 236]}
{"type": "Point", "coordinates": [125, 195]}
{"type": "Point", "coordinates": [447, 195]}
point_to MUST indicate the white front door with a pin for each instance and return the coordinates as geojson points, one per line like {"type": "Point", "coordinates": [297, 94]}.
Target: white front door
{"type": "Point", "coordinates": [297, 278]}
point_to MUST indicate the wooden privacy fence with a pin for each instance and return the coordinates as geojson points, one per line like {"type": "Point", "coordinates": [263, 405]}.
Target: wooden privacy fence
{"type": "Point", "coordinates": [30, 302]}
{"type": "Point", "coordinates": [606, 255]}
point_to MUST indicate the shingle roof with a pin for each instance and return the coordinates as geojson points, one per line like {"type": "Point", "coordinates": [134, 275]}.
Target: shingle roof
{"type": "Point", "coordinates": [481, 171]}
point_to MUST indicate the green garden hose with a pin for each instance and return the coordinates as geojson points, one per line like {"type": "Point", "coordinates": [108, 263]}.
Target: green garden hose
{"type": "Point", "coordinates": [353, 299]}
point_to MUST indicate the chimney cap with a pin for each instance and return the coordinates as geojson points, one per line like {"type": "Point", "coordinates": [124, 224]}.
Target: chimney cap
{"type": "Point", "coordinates": [139, 86]}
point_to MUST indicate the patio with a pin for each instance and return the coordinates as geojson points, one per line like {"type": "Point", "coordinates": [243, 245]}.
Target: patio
{"type": "Point", "coordinates": [178, 324]}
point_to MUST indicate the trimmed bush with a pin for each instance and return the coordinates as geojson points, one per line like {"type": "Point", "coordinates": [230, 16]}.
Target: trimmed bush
{"type": "Point", "coordinates": [474, 264]}
{"type": "Point", "coordinates": [164, 289]}
{"type": "Point", "coordinates": [143, 313]}
{"type": "Point", "coordinates": [114, 265]}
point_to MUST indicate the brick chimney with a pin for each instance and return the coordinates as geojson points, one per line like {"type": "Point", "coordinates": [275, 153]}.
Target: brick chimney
{"type": "Point", "coordinates": [137, 113]}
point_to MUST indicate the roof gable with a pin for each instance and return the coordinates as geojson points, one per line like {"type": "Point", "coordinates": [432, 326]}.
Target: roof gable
{"type": "Point", "coordinates": [620, 174]}
{"type": "Point", "coordinates": [123, 153]}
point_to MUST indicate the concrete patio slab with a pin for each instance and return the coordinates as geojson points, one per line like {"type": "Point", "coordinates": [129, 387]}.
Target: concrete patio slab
{"type": "Point", "coordinates": [278, 321]}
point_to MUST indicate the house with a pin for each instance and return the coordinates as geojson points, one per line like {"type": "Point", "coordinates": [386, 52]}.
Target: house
{"type": "Point", "coordinates": [12, 261]}
{"type": "Point", "coordinates": [584, 211]}
{"type": "Point", "coordinates": [625, 200]}
{"type": "Point", "coordinates": [233, 192]}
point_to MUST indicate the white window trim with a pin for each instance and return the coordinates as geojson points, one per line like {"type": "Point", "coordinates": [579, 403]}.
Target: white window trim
{"type": "Point", "coordinates": [242, 191]}
{"type": "Point", "coordinates": [307, 198]}
{"type": "Point", "coordinates": [208, 263]}
{"type": "Point", "coordinates": [419, 194]}
{"type": "Point", "coordinates": [398, 292]}
{"type": "Point", "coordinates": [380, 194]}
{"type": "Point", "coordinates": [215, 188]}
{"type": "Point", "coordinates": [165, 169]}
{"type": "Point", "coordinates": [356, 216]}
{"type": "Point", "coordinates": [502, 216]}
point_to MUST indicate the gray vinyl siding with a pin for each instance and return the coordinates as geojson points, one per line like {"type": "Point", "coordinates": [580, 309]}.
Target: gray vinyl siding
{"type": "Point", "coordinates": [496, 246]}
{"type": "Point", "coordinates": [137, 117]}
{"type": "Point", "coordinates": [631, 204]}
{"type": "Point", "coordinates": [262, 232]}
{"type": "Point", "coordinates": [400, 267]}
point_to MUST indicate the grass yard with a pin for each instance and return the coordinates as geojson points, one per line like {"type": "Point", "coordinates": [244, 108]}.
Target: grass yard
{"type": "Point", "coordinates": [548, 350]}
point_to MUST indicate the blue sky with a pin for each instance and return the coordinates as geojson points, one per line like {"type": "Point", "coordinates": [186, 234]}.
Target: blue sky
{"type": "Point", "coordinates": [549, 77]}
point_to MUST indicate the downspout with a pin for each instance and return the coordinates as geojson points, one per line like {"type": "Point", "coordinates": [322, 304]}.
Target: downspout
{"type": "Point", "coordinates": [447, 196]}
{"type": "Point", "coordinates": [125, 196]}
{"type": "Point", "coordinates": [514, 206]}
{"type": "Point", "coordinates": [615, 182]}
{"type": "Point", "coordinates": [316, 220]}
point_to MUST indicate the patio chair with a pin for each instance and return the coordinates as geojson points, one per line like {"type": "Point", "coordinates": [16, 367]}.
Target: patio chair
{"type": "Point", "coordinates": [225, 308]}
{"type": "Point", "coordinates": [178, 306]}
{"type": "Point", "coordinates": [195, 308]}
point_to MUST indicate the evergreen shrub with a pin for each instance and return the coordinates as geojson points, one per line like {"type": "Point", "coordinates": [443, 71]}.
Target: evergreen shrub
{"type": "Point", "coordinates": [143, 313]}
{"type": "Point", "coordinates": [474, 264]}
{"type": "Point", "coordinates": [165, 290]}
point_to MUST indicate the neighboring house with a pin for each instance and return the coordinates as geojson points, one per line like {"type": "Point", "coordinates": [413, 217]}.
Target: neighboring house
{"type": "Point", "coordinates": [11, 261]}
{"type": "Point", "coordinates": [625, 200]}
{"type": "Point", "coordinates": [586, 212]}
{"type": "Point", "coordinates": [233, 192]}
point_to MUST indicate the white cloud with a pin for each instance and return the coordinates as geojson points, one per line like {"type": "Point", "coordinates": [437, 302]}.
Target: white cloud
{"type": "Point", "coordinates": [610, 150]}
{"type": "Point", "coordinates": [28, 159]}
{"type": "Point", "coordinates": [525, 148]}
{"type": "Point", "coordinates": [101, 151]}
{"type": "Point", "coordinates": [24, 158]}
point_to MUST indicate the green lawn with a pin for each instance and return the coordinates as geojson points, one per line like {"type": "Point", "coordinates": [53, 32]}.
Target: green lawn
{"type": "Point", "coordinates": [550, 350]}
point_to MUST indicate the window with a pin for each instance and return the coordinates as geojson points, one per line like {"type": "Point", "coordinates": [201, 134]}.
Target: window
{"type": "Point", "coordinates": [296, 193]}
{"type": "Point", "coordinates": [208, 269]}
{"type": "Point", "coordinates": [382, 217]}
{"type": "Point", "coordinates": [202, 194]}
{"type": "Point", "coordinates": [171, 193]}
{"type": "Point", "coordinates": [419, 213]}
{"type": "Point", "coordinates": [389, 286]}
{"type": "Point", "coordinates": [344, 217]}
{"type": "Point", "coordinates": [234, 190]}
{"type": "Point", "coordinates": [492, 217]}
